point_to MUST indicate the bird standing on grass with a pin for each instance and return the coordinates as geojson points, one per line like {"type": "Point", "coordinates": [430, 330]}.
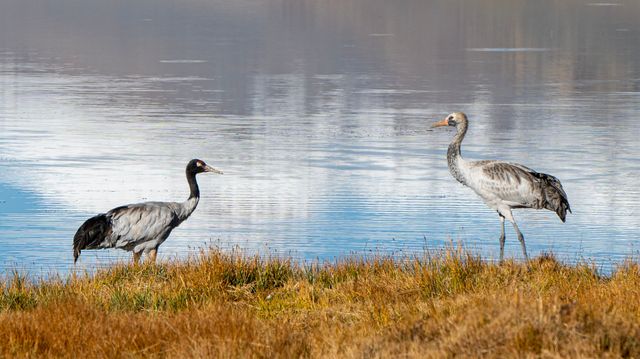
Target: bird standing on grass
{"type": "Point", "coordinates": [141, 227]}
{"type": "Point", "coordinates": [502, 185]}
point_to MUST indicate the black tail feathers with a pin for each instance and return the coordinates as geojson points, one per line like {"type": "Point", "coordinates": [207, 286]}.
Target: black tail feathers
{"type": "Point", "coordinates": [90, 234]}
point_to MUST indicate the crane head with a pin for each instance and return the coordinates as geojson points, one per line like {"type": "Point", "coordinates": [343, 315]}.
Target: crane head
{"type": "Point", "coordinates": [198, 166]}
{"type": "Point", "coordinates": [453, 119]}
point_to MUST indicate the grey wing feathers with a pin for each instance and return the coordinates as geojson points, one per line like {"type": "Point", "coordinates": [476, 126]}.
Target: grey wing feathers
{"type": "Point", "coordinates": [520, 184]}
{"type": "Point", "coordinates": [127, 226]}
{"type": "Point", "coordinates": [142, 222]}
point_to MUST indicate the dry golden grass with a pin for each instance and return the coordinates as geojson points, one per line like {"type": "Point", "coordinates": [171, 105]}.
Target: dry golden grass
{"type": "Point", "coordinates": [228, 305]}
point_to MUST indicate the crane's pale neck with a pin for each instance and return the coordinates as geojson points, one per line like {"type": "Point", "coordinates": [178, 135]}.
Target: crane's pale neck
{"type": "Point", "coordinates": [454, 156]}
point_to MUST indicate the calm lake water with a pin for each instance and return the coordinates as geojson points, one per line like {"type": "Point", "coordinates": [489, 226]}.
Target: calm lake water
{"type": "Point", "coordinates": [319, 114]}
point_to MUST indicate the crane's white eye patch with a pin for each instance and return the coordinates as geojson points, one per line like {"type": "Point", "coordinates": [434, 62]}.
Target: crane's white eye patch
{"type": "Point", "coordinates": [199, 164]}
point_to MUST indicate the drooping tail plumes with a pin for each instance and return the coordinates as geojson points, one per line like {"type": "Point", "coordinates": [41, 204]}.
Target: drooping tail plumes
{"type": "Point", "coordinates": [555, 198]}
{"type": "Point", "coordinates": [90, 234]}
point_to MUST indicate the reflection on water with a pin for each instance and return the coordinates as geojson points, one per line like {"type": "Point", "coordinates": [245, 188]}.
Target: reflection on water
{"type": "Point", "coordinates": [318, 112]}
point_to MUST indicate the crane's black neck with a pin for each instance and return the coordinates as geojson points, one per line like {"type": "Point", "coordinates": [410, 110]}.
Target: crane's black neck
{"type": "Point", "coordinates": [193, 184]}
{"type": "Point", "coordinates": [454, 154]}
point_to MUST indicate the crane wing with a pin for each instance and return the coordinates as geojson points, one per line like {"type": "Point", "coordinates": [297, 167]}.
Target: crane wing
{"type": "Point", "coordinates": [511, 183]}
{"type": "Point", "coordinates": [517, 186]}
{"type": "Point", "coordinates": [137, 223]}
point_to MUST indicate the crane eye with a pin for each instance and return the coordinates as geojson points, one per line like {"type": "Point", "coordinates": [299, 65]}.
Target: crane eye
{"type": "Point", "coordinates": [450, 118]}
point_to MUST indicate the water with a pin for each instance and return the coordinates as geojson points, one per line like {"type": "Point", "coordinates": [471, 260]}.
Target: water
{"type": "Point", "coordinates": [319, 114]}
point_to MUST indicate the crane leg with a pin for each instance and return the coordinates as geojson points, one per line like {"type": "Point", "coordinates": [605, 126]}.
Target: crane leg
{"type": "Point", "coordinates": [506, 213]}
{"type": "Point", "coordinates": [521, 239]}
{"type": "Point", "coordinates": [502, 237]}
{"type": "Point", "coordinates": [136, 258]}
{"type": "Point", "coordinates": [152, 255]}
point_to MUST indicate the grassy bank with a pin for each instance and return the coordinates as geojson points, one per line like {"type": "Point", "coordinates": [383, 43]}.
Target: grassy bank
{"type": "Point", "coordinates": [228, 305]}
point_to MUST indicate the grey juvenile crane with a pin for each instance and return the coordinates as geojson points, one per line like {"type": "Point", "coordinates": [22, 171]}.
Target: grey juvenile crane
{"type": "Point", "coordinates": [502, 185]}
{"type": "Point", "coordinates": [140, 227]}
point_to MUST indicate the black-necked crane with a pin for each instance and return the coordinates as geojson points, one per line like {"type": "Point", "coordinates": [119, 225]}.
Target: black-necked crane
{"type": "Point", "coordinates": [502, 185]}
{"type": "Point", "coordinates": [141, 227]}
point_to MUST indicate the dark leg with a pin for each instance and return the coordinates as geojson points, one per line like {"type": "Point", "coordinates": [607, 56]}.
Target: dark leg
{"type": "Point", "coordinates": [502, 237]}
{"type": "Point", "coordinates": [521, 239]}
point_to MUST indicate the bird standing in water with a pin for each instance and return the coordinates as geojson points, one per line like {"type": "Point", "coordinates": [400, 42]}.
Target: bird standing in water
{"type": "Point", "coordinates": [502, 185]}
{"type": "Point", "coordinates": [141, 227]}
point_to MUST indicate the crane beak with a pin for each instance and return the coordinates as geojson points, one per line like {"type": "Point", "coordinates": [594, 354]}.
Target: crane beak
{"type": "Point", "coordinates": [442, 123]}
{"type": "Point", "coordinates": [208, 168]}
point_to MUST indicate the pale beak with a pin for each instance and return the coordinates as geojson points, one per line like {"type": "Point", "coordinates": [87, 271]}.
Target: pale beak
{"type": "Point", "coordinates": [444, 122]}
{"type": "Point", "coordinates": [208, 168]}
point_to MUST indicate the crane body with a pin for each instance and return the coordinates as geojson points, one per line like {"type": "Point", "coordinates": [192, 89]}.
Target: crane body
{"type": "Point", "coordinates": [503, 186]}
{"type": "Point", "coordinates": [141, 227]}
